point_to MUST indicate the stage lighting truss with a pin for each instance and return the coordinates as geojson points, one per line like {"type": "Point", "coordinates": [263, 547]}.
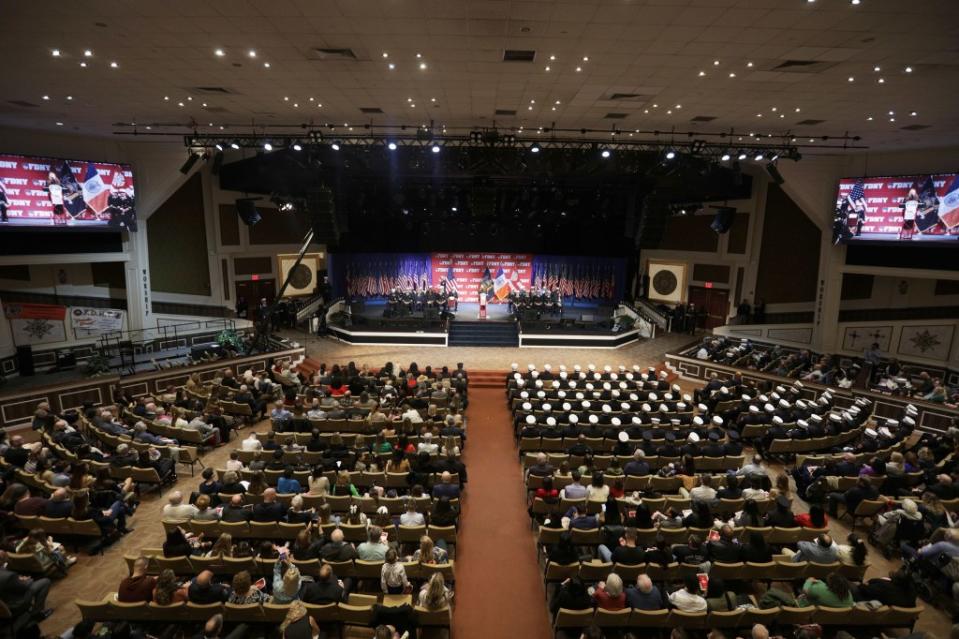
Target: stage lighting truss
{"type": "Point", "coordinates": [716, 146]}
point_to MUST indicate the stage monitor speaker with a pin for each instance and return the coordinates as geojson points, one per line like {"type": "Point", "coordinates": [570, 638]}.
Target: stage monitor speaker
{"type": "Point", "coordinates": [25, 360]}
{"type": "Point", "coordinates": [246, 209]}
{"type": "Point", "coordinates": [723, 220]}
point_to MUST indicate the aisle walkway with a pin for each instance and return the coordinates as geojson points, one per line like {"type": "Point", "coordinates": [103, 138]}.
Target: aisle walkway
{"type": "Point", "coordinates": [499, 591]}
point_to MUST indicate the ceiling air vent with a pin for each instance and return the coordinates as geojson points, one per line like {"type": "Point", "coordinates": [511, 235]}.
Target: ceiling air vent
{"type": "Point", "coordinates": [915, 127]}
{"type": "Point", "coordinates": [633, 97]}
{"type": "Point", "coordinates": [703, 118]}
{"type": "Point", "coordinates": [216, 109]}
{"type": "Point", "coordinates": [505, 111]}
{"type": "Point", "coordinates": [333, 54]}
{"type": "Point", "coordinates": [371, 110]}
{"type": "Point", "coordinates": [809, 122]}
{"type": "Point", "coordinates": [518, 55]}
{"type": "Point", "coordinates": [615, 116]}
{"type": "Point", "coordinates": [213, 90]}
{"type": "Point", "coordinates": [802, 66]}
{"type": "Point", "coordinates": [22, 103]}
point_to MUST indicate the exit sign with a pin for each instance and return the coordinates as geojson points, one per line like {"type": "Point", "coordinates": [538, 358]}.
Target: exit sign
{"type": "Point", "coordinates": [257, 277]}
{"type": "Point", "coordinates": [708, 284]}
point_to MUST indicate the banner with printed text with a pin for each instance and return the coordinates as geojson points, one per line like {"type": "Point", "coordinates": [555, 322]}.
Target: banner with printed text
{"type": "Point", "coordinates": [88, 321]}
{"type": "Point", "coordinates": [498, 274]}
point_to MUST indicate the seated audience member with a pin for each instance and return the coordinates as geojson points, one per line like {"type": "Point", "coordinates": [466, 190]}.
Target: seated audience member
{"type": "Point", "coordinates": [434, 595]}
{"type": "Point", "coordinates": [210, 485]}
{"type": "Point", "coordinates": [834, 592]}
{"type": "Point", "coordinates": [644, 595]}
{"type": "Point", "coordinates": [168, 590]}
{"type": "Point", "coordinates": [287, 581]}
{"type": "Point", "coordinates": [694, 552]}
{"type": "Point", "coordinates": [231, 484]}
{"type": "Point", "coordinates": [898, 589]}
{"type": "Point", "coordinates": [325, 589]}
{"type": "Point", "coordinates": [575, 489]}
{"type": "Point", "coordinates": [688, 598]}
{"type": "Point", "coordinates": [49, 554]}
{"type": "Point", "coordinates": [609, 594]}
{"type": "Point", "coordinates": [781, 515]}
{"type": "Point", "coordinates": [203, 590]}
{"type": "Point", "coordinates": [446, 488]}
{"type": "Point", "coordinates": [718, 597]}
{"type": "Point", "coordinates": [176, 544]}
{"type": "Point", "coordinates": [374, 549]}
{"type": "Point", "coordinates": [393, 575]}
{"type": "Point", "coordinates": [203, 510]}
{"type": "Point", "coordinates": [336, 549]}
{"type": "Point", "coordinates": [176, 510]}
{"type": "Point", "coordinates": [815, 518]}
{"type": "Point", "coordinates": [139, 585]}
{"type": "Point", "coordinates": [626, 553]}
{"type": "Point", "coordinates": [443, 513]}
{"type": "Point", "coordinates": [24, 596]}
{"type": "Point", "coordinates": [411, 517]}
{"type": "Point", "coordinates": [756, 550]}
{"type": "Point", "coordinates": [725, 549]}
{"type": "Point", "coordinates": [269, 509]}
{"type": "Point", "coordinates": [235, 511]}
{"type": "Point", "coordinates": [571, 595]}
{"type": "Point", "coordinates": [287, 484]}
{"type": "Point", "coordinates": [428, 553]}
{"type": "Point", "coordinates": [821, 551]}
{"type": "Point", "coordinates": [244, 592]}
{"type": "Point", "coordinates": [701, 517]}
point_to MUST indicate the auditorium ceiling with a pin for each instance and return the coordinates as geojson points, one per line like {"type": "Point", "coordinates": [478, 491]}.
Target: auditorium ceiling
{"type": "Point", "coordinates": [886, 70]}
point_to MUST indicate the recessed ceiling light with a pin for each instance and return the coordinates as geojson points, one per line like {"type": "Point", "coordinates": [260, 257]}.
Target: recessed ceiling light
{"type": "Point", "coordinates": [725, 157]}
{"type": "Point", "coordinates": [855, 2]}
{"type": "Point", "coordinates": [69, 97]}
{"type": "Point", "coordinates": [266, 65]}
{"type": "Point", "coordinates": [749, 64]}
{"type": "Point", "coordinates": [732, 75]}
{"type": "Point", "coordinates": [670, 154]}
{"type": "Point", "coordinates": [913, 114]}
{"type": "Point", "coordinates": [204, 106]}
{"type": "Point", "coordinates": [557, 102]}
{"type": "Point", "coordinates": [547, 68]}
{"type": "Point", "coordinates": [908, 69]}
{"type": "Point", "coordinates": [669, 112]}
{"type": "Point", "coordinates": [385, 54]}
{"type": "Point", "coordinates": [578, 69]}
{"type": "Point", "coordinates": [532, 101]}
{"type": "Point", "coordinates": [585, 58]}
{"type": "Point", "coordinates": [876, 68]}
{"type": "Point", "coordinates": [149, 128]}
{"type": "Point", "coordinates": [46, 97]}
{"type": "Point", "coordinates": [742, 155]}
{"type": "Point", "coordinates": [882, 81]}
{"type": "Point", "coordinates": [422, 66]}
{"type": "Point", "coordinates": [114, 65]}
{"type": "Point", "coordinates": [391, 66]}
{"type": "Point", "coordinates": [296, 105]}
{"type": "Point", "coordinates": [55, 53]}
{"type": "Point", "coordinates": [59, 123]}
{"type": "Point", "coordinates": [251, 53]}
{"type": "Point", "coordinates": [798, 109]}
{"type": "Point", "coordinates": [412, 106]}
{"type": "Point", "coordinates": [219, 53]}
{"type": "Point", "coordinates": [189, 98]}
{"type": "Point", "coordinates": [432, 99]}
{"type": "Point", "coordinates": [605, 153]}
{"type": "Point", "coordinates": [267, 146]}
{"type": "Point", "coordinates": [529, 108]}
{"type": "Point", "coordinates": [435, 148]}
{"type": "Point", "coordinates": [552, 57]}
{"type": "Point", "coordinates": [180, 104]}
{"type": "Point", "coordinates": [297, 147]}
{"type": "Point", "coordinates": [679, 106]}
{"type": "Point", "coordinates": [773, 109]}
{"type": "Point", "coordinates": [83, 64]}
{"type": "Point", "coordinates": [286, 98]}
{"type": "Point", "coordinates": [869, 119]}
{"type": "Point", "coordinates": [88, 53]}
{"type": "Point", "coordinates": [850, 79]}
{"type": "Point", "coordinates": [892, 113]}
{"type": "Point", "coordinates": [552, 108]}
{"type": "Point", "coordinates": [892, 119]}
{"type": "Point", "coordinates": [702, 73]}
{"type": "Point", "coordinates": [715, 63]}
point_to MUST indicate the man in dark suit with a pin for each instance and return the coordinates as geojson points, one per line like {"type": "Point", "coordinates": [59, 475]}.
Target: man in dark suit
{"type": "Point", "coordinates": [235, 511]}
{"type": "Point", "coordinates": [637, 466]}
{"type": "Point", "coordinates": [269, 509]}
{"type": "Point", "coordinates": [725, 549]}
{"type": "Point", "coordinates": [25, 597]}
{"type": "Point", "coordinates": [202, 590]}
{"type": "Point", "coordinates": [446, 487]}
{"type": "Point", "coordinates": [17, 454]}
{"type": "Point", "coordinates": [336, 549]}
{"type": "Point", "coordinates": [325, 589]}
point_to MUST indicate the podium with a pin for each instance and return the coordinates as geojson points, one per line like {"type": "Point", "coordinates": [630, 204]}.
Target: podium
{"type": "Point", "coordinates": [482, 306]}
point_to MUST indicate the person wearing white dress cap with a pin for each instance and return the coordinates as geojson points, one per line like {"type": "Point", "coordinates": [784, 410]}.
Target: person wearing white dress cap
{"type": "Point", "coordinates": [531, 367]}
{"type": "Point", "coordinates": [547, 407]}
{"type": "Point", "coordinates": [646, 408]}
{"type": "Point", "coordinates": [617, 422]}
{"type": "Point", "coordinates": [524, 394]}
{"type": "Point", "coordinates": [541, 394]}
{"type": "Point", "coordinates": [717, 420]}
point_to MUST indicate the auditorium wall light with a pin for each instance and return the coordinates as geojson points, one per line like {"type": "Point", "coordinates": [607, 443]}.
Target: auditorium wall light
{"type": "Point", "coordinates": [725, 157]}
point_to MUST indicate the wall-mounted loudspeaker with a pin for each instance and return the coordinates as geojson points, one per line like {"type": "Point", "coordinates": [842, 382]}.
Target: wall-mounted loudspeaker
{"type": "Point", "coordinates": [723, 220]}
{"type": "Point", "coordinates": [246, 209]}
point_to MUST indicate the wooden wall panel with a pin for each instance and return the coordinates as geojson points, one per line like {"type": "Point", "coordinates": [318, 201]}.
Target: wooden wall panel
{"type": "Point", "coordinates": [690, 233]}
{"type": "Point", "coordinates": [789, 257]}
{"type": "Point", "coordinates": [176, 235]}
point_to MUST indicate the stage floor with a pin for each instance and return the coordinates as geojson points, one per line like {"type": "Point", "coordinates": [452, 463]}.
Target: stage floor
{"type": "Point", "coordinates": [373, 308]}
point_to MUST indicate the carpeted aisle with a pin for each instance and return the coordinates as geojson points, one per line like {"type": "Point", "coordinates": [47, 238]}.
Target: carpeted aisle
{"type": "Point", "coordinates": [499, 591]}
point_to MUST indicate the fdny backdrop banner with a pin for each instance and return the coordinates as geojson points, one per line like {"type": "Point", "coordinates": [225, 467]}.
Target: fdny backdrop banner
{"type": "Point", "coordinates": [496, 274]}
{"type": "Point", "coordinates": [49, 192]}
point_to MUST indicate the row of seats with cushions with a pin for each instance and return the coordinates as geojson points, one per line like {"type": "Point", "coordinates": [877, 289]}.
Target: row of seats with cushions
{"type": "Point", "coordinates": [547, 536]}
{"type": "Point", "coordinates": [356, 425]}
{"type": "Point", "coordinates": [148, 476]}
{"type": "Point", "coordinates": [557, 455]}
{"type": "Point", "coordinates": [188, 455]}
{"type": "Point", "coordinates": [341, 504]}
{"type": "Point", "coordinates": [718, 507]}
{"type": "Point", "coordinates": [350, 440]}
{"type": "Point", "coordinates": [356, 533]}
{"type": "Point", "coordinates": [782, 568]}
{"type": "Point", "coordinates": [355, 568]}
{"type": "Point", "coordinates": [360, 479]}
{"type": "Point", "coordinates": [795, 446]}
{"type": "Point", "coordinates": [785, 617]}
{"type": "Point", "coordinates": [359, 614]}
{"type": "Point", "coordinates": [654, 483]}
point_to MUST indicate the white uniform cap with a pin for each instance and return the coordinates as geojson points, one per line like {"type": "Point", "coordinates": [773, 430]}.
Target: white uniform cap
{"type": "Point", "coordinates": [687, 397]}
{"type": "Point", "coordinates": [693, 437]}
{"type": "Point", "coordinates": [702, 408]}
{"type": "Point", "coordinates": [754, 409]}
{"type": "Point", "coordinates": [621, 368]}
{"type": "Point", "coordinates": [624, 406]}
{"type": "Point", "coordinates": [745, 397]}
{"type": "Point", "coordinates": [577, 368]}
{"type": "Point", "coordinates": [834, 417]}
{"type": "Point", "coordinates": [697, 420]}
{"type": "Point", "coordinates": [585, 404]}
{"type": "Point", "coordinates": [616, 422]}
{"type": "Point", "coordinates": [562, 368]}
{"type": "Point", "coordinates": [681, 406]}
{"type": "Point", "coordinates": [541, 394]}
{"type": "Point", "coordinates": [663, 408]}
{"type": "Point", "coordinates": [563, 375]}
{"type": "Point", "coordinates": [871, 433]}
{"type": "Point", "coordinates": [524, 394]}
{"type": "Point", "coordinates": [527, 406]}
{"type": "Point", "coordinates": [530, 419]}
{"type": "Point", "coordinates": [555, 383]}
{"type": "Point", "coordinates": [593, 419]}
{"type": "Point", "coordinates": [815, 418]}
{"type": "Point", "coordinates": [663, 374]}
{"type": "Point", "coordinates": [629, 376]}
{"type": "Point", "coordinates": [572, 384]}
{"type": "Point", "coordinates": [668, 397]}
{"type": "Point", "coordinates": [550, 421]}
{"type": "Point", "coordinates": [613, 376]}
{"type": "Point", "coordinates": [676, 388]}
{"type": "Point", "coordinates": [633, 397]}
{"type": "Point", "coordinates": [802, 423]}
{"type": "Point", "coordinates": [607, 408]}
{"type": "Point", "coordinates": [775, 396]}
{"type": "Point", "coordinates": [769, 408]}
{"type": "Point", "coordinates": [777, 420]}
{"type": "Point", "coordinates": [539, 383]}
{"type": "Point", "coordinates": [653, 397]}
{"type": "Point", "coordinates": [573, 419]}
{"type": "Point", "coordinates": [637, 420]}
{"type": "Point", "coordinates": [623, 385]}
{"type": "Point", "coordinates": [534, 374]}
{"type": "Point", "coordinates": [591, 368]}
{"type": "Point", "coordinates": [646, 408]}
{"type": "Point", "coordinates": [885, 432]}
{"type": "Point", "coordinates": [783, 403]}
{"type": "Point", "coordinates": [566, 406]}
{"type": "Point", "coordinates": [514, 366]}
{"type": "Point", "coordinates": [723, 389]}
{"type": "Point", "coordinates": [763, 398]}
{"type": "Point", "coordinates": [636, 368]}
{"type": "Point", "coordinates": [589, 386]}
{"type": "Point", "coordinates": [607, 368]}
{"type": "Point", "coordinates": [547, 367]}
{"type": "Point", "coordinates": [531, 367]}
{"type": "Point", "coordinates": [780, 389]}
{"type": "Point", "coordinates": [615, 393]}
{"type": "Point", "coordinates": [547, 406]}
{"type": "Point", "coordinates": [520, 382]}
{"type": "Point", "coordinates": [717, 420]}
{"type": "Point", "coordinates": [908, 421]}
{"type": "Point", "coordinates": [561, 394]}
{"type": "Point", "coordinates": [597, 376]}
{"type": "Point", "coordinates": [607, 386]}
{"type": "Point", "coordinates": [579, 396]}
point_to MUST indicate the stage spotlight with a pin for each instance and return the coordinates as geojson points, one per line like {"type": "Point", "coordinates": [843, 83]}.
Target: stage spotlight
{"type": "Point", "coordinates": [697, 147]}
{"type": "Point", "coordinates": [219, 147]}
{"type": "Point", "coordinates": [725, 157]}
{"type": "Point", "coordinates": [234, 146]}
{"type": "Point", "coordinates": [391, 146]}
{"type": "Point", "coordinates": [476, 136]}
{"type": "Point", "coordinates": [742, 155]}
{"type": "Point", "coordinates": [267, 146]}
{"type": "Point", "coordinates": [605, 153]}
{"type": "Point", "coordinates": [670, 154]}
{"type": "Point", "coordinates": [435, 148]}
{"type": "Point", "coordinates": [190, 161]}
{"type": "Point", "coordinates": [316, 137]}
{"type": "Point", "coordinates": [336, 145]}
{"type": "Point", "coordinates": [297, 147]}
{"type": "Point", "coordinates": [759, 157]}
{"type": "Point", "coordinates": [534, 149]}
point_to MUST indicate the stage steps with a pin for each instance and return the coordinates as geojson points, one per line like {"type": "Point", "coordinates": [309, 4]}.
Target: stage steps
{"type": "Point", "coordinates": [483, 334]}
{"type": "Point", "coordinates": [488, 379]}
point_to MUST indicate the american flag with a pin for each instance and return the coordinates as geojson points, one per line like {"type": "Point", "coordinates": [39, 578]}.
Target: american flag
{"type": "Point", "coordinates": [857, 197]}
{"type": "Point", "coordinates": [451, 281]}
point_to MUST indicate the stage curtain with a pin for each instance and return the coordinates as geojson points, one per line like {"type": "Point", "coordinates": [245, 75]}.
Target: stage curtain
{"type": "Point", "coordinates": [375, 274]}
{"type": "Point", "coordinates": [582, 277]}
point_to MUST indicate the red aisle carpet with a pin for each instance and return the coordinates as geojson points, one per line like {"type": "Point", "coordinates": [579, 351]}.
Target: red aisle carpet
{"type": "Point", "coordinates": [499, 591]}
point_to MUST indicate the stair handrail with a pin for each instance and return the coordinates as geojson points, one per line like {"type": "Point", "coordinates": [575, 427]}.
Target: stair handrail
{"type": "Point", "coordinates": [645, 308]}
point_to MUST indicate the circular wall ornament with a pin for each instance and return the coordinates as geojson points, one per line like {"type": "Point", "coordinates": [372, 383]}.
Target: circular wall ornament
{"type": "Point", "coordinates": [665, 282]}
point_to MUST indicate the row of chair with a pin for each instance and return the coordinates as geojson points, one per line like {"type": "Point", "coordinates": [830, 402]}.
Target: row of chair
{"type": "Point", "coordinates": [773, 535]}
{"type": "Point", "coordinates": [342, 503]}
{"type": "Point", "coordinates": [356, 533]}
{"type": "Point", "coordinates": [781, 568]}
{"type": "Point", "coordinates": [360, 479]}
{"type": "Point", "coordinates": [813, 444]}
{"type": "Point", "coordinates": [718, 507]}
{"type": "Point", "coordinates": [187, 455]}
{"type": "Point", "coordinates": [855, 616]}
{"type": "Point", "coordinates": [109, 609]}
{"type": "Point", "coordinates": [351, 440]}
{"type": "Point", "coordinates": [603, 461]}
{"type": "Point", "coordinates": [653, 483]}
